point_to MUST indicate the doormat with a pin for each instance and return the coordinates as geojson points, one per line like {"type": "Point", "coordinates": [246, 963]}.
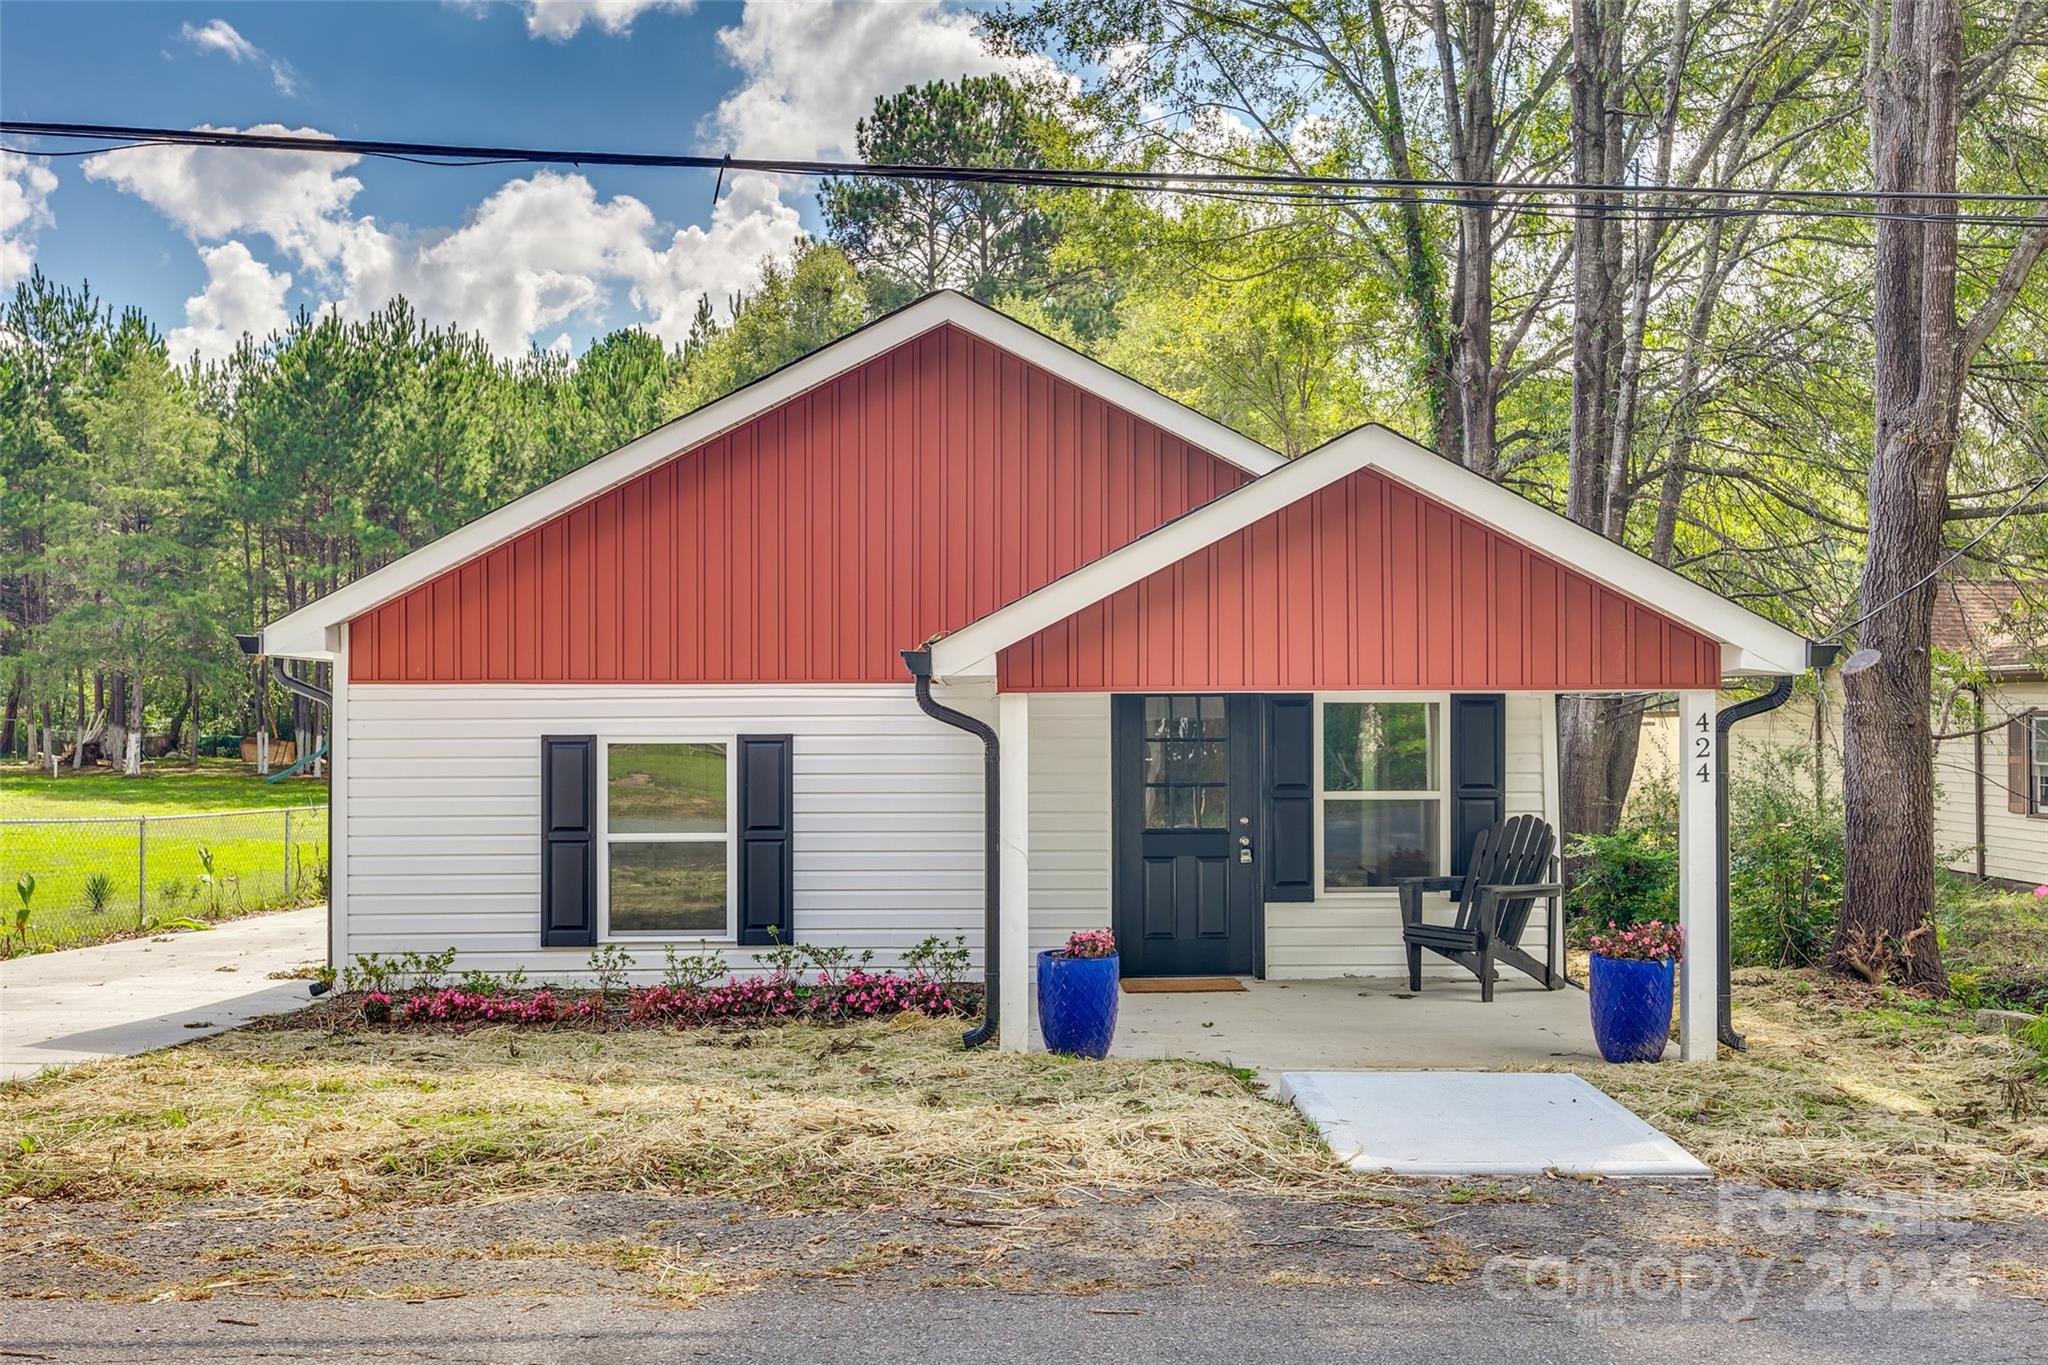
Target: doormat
{"type": "Point", "coordinates": [1178, 985]}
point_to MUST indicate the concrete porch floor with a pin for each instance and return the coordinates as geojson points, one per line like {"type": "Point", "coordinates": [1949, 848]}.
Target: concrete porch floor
{"type": "Point", "coordinates": [1358, 1023]}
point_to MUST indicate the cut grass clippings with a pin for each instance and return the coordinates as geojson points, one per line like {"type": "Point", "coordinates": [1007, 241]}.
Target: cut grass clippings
{"type": "Point", "coordinates": [1847, 1086]}
{"type": "Point", "coordinates": [802, 1116]}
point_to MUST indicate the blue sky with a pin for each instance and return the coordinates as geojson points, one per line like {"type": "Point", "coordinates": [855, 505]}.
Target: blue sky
{"type": "Point", "coordinates": [211, 243]}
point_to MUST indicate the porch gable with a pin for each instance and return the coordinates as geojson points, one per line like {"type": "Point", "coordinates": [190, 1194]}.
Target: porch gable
{"type": "Point", "coordinates": [1363, 584]}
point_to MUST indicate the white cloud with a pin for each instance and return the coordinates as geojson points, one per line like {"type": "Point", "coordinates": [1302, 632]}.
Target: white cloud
{"type": "Point", "coordinates": [811, 71]}
{"type": "Point", "coordinates": [749, 224]}
{"type": "Point", "coordinates": [297, 199]}
{"type": "Point", "coordinates": [535, 254]}
{"type": "Point", "coordinates": [218, 35]}
{"type": "Point", "coordinates": [560, 20]}
{"type": "Point", "coordinates": [538, 252]}
{"type": "Point", "coordinates": [26, 184]}
{"type": "Point", "coordinates": [241, 295]}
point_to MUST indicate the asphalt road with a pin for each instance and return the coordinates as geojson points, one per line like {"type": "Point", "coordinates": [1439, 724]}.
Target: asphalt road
{"type": "Point", "coordinates": [1438, 1272]}
{"type": "Point", "coordinates": [1413, 1323]}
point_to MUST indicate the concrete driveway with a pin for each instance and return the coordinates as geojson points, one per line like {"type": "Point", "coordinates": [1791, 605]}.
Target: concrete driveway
{"type": "Point", "coordinates": [118, 999]}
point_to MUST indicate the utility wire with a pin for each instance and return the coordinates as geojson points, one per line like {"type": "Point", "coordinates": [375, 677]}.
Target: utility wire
{"type": "Point", "coordinates": [1522, 196]}
{"type": "Point", "coordinates": [1506, 196]}
{"type": "Point", "coordinates": [1932, 573]}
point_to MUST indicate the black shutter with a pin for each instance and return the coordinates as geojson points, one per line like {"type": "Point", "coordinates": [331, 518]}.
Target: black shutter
{"type": "Point", "coordinates": [1479, 770]}
{"type": "Point", "coordinates": [2019, 764]}
{"type": "Point", "coordinates": [764, 818]}
{"type": "Point", "coordinates": [568, 853]}
{"type": "Point", "coordinates": [1289, 726]}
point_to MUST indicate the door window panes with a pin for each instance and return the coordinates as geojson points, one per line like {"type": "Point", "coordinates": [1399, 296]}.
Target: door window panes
{"type": "Point", "coordinates": [1186, 763]}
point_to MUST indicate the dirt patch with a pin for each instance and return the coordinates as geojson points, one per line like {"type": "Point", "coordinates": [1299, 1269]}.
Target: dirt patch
{"type": "Point", "coordinates": [1089, 1241]}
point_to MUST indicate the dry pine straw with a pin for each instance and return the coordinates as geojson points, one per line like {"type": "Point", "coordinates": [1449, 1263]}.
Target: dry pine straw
{"type": "Point", "coordinates": [1850, 1086]}
{"type": "Point", "coordinates": [797, 1116]}
{"type": "Point", "coordinates": [1843, 1086]}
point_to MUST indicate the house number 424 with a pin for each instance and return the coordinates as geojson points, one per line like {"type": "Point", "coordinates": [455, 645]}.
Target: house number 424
{"type": "Point", "coordinates": [1703, 748]}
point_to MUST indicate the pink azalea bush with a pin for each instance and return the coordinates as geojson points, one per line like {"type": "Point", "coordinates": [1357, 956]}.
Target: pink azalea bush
{"type": "Point", "coordinates": [1655, 941]}
{"type": "Point", "coordinates": [1090, 943]}
{"type": "Point", "coordinates": [866, 995]}
{"type": "Point", "coordinates": [859, 994]}
{"type": "Point", "coordinates": [453, 1005]}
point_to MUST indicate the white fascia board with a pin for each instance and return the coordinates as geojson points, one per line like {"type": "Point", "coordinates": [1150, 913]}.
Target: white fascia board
{"type": "Point", "coordinates": [971, 650]}
{"type": "Point", "coordinates": [1750, 644]}
{"type": "Point", "coordinates": [303, 632]}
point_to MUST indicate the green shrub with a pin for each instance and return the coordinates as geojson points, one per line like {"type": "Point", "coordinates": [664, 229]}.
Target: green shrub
{"type": "Point", "coordinates": [1784, 862]}
{"type": "Point", "coordinates": [1994, 943]}
{"type": "Point", "coordinates": [1627, 877]}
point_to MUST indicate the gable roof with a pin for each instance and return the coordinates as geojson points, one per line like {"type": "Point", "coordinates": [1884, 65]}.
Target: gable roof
{"type": "Point", "coordinates": [1976, 621]}
{"type": "Point", "coordinates": [1749, 642]}
{"type": "Point", "coordinates": [305, 632]}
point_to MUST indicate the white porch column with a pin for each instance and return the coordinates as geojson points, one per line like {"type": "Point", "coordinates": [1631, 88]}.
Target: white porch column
{"type": "Point", "coordinates": [1013, 953]}
{"type": "Point", "coordinates": [1698, 785]}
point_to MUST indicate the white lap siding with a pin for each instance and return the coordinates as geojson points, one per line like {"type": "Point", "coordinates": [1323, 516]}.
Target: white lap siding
{"type": "Point", "coordinates": [443, 786]}
{"type": "Point", "coordinates": [1070, 831]}
{"type": "Point", "coordinates": [1359, 933]}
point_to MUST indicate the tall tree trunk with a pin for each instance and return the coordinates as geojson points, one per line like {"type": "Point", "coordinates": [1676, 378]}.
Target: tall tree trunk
{"type": "Point", "coordinates": [14, 692]}
{"type": "Point", "coordinates": [1598, 737]}
{"type": "Point", "coordinates": [131, 749]}
{"type": "Point", "coordinates": [1922, 357]}
{"type": "Point", "coordinates": [177, 729]}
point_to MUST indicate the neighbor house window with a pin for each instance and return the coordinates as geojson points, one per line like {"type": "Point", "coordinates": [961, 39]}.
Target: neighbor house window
{"type": "Point", "coordinates": [1382, 792]}
{"type": "Point", "coordinates": [667, 844]}
{"type": "Point", "coordinates": [2038, 772]}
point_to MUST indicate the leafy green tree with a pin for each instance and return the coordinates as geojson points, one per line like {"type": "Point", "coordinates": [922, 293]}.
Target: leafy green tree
{"type": "Point", "coordinates": [814, 298]}
{"type": "Point", "coordinates": [909, 237]}
{"type": "Point", "coordinates": [138, 524]}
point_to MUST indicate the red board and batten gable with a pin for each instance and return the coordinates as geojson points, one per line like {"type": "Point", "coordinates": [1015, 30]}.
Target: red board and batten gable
{"type": "Point", "coordinates": [1363, 584]}
{"type": "Point", "coordinates": [945, 478]}
{"type": "Point", "coordinates": [909, 496]}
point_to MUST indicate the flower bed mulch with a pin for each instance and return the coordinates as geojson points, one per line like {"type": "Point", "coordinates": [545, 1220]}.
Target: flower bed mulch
{"type": "Point", "coordinates": [749, 1000]}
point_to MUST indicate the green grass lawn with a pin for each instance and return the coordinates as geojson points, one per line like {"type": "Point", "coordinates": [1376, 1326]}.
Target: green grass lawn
{"type": "Point", "coordinates": [28, 793]}
{"type": "Point", "coordinates": [133, 853]}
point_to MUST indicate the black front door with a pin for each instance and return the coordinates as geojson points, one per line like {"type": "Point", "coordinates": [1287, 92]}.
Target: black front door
{"type": "Point", "coordinates": [1185, 795]}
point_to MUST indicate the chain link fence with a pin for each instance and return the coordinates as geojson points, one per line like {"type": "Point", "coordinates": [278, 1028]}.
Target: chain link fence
{"type": "Point", "coordinates": [94, 878]}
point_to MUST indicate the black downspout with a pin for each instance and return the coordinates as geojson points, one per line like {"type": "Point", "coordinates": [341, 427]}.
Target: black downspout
{"type": "Point", "coordinates": [919, 662]}
{"type": "Point", "coordinates": [1818, 657]}
{"type": "Point", "coordinates": [319, 696]}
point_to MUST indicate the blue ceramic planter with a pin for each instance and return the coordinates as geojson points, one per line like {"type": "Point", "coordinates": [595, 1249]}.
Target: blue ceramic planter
{"type": "Point", "coordinates": [1631, 1008]}
{"type": "Point", "coordinates": [1077, 1003]}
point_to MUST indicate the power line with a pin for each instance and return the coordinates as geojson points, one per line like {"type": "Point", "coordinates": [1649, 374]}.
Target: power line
{"type": "Point", "coordinates": [1953, 556]}
{"type": "Point", "coordinates": [1509, 196]}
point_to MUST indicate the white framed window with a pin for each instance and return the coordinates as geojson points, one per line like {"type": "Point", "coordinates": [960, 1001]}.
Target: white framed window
{"type": "Point", "coordinates": [665, 827]}
{"type": "Point", "coordinates": [1381, 777]}
{"type": "Point", "coordinates": [2037, 771]}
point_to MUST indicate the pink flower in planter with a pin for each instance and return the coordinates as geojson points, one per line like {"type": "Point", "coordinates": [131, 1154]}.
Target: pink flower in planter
{"type": "Point", "coordinates": [1090, 943]}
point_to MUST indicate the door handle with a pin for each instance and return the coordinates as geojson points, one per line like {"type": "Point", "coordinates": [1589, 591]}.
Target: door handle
{"type": "Point", "coordinates": [1244, 848]}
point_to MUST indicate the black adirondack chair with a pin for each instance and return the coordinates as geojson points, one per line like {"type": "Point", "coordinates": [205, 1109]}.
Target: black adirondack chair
{"type": "Point", "coordinates": [1502, 882]}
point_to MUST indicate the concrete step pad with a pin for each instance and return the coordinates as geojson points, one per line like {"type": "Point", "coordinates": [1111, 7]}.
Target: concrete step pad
{"type": "Point", "coordinates": [1453, 1123]}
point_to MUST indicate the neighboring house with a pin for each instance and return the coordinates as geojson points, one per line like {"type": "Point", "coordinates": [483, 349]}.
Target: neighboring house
{"type": "Point", "coordinates": [1991, 787]}
{"type": "Point", "coordinates": [663, 698]}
